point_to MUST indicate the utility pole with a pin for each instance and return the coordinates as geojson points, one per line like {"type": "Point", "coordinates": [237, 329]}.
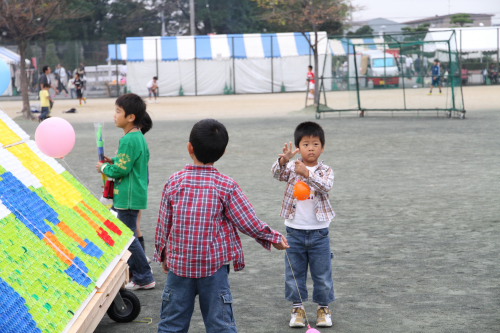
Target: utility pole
{"type": "Point", "coordinates": [191, 17]}
{"type": "Point", "coordinates": [162, 15]}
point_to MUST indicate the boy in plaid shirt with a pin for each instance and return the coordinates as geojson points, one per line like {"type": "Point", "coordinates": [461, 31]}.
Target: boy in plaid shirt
{"type": "Point", "coordinates": [197, 236]}
{"type": "Point", "coordinates": [307, 223]}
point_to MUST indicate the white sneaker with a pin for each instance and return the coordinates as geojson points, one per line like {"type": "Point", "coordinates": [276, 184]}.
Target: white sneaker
{"type": "Point", "coordinates": [133, 286]}
{"type": "Point", "coordinates": [298, 317]}
{"type": "Point", "coordinates": [324, 317]}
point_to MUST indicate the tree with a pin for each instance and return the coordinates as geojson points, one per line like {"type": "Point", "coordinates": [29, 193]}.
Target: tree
{"type": "Point", "coordinates": [306, 15]}
{"type": "Point", "coordinates": [228, 16]}
{"type": "Point", "coordinates": [461, 19]}
{"type": "Point", "coordinates": [23, 20]}
{"type": "Point", "coordinates": [365, 30]}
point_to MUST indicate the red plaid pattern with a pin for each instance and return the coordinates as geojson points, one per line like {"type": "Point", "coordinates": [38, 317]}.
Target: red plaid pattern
{"type": "Point", "coordinates": [201, 211]}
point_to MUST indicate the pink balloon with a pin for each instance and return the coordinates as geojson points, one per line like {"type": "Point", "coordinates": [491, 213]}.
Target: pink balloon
{"type": "Point", "coordinates": [312, 330]}
{"type": "Point", "coordinates": [55, 137]}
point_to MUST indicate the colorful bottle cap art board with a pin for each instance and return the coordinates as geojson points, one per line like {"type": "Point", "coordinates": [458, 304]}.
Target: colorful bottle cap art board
{"type": "Point", "coordinates": [58, 243]}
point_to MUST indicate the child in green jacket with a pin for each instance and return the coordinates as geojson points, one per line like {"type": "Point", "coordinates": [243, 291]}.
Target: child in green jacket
{"type": "Point", "coordinates": [129, 168]}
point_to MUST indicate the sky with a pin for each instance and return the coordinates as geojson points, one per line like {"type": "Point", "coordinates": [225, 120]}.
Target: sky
{"type": "Point", "coordinates": [408, 10]}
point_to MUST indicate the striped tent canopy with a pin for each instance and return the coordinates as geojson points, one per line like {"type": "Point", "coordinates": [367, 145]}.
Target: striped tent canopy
{"type": "Point", "coordinates": [212, 47]}
{"type": "Point", "coordinates": [117, 52]}
{"type": "Point", "coordinates": [345, 46]}
{"type": "Point", "coordinates": [10, 57]}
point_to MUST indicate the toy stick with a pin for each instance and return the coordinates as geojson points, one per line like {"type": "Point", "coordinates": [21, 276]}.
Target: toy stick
{"type": "Point", "coordinates": [107, 195]}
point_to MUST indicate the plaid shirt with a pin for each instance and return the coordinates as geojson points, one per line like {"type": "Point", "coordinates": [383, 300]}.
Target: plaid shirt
{"type": "Point", "coordinates": [321, 180]}
{"type": "Point", "coordinates": [201, 211]}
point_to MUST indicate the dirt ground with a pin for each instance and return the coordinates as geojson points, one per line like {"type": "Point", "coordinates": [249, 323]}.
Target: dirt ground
{"type": "Point", "coordinates": [266, 105]}
{"type": "Point", "coordinates": [416, 237]}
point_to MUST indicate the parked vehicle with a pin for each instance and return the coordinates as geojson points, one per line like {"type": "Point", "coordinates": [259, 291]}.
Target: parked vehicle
{"type": "Point", "coordinates": [380, 68]}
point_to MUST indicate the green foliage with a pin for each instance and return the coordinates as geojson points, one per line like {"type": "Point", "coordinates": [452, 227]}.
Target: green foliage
{"type": "Point", "coordinates": [461, 19]}
{"type": "Point", "coordinates": [51, 56]}
{"type": "Point", "coordinates": [365, 30]}
{"type": "Point", "coordinates": [229, 17]}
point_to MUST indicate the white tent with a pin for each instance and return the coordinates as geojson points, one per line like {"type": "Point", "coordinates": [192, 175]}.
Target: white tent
{"type": "Point", "coordinates": [217, 64]}
{"type": "Point", "coordinates": [8, 70]}
{"type": "Point", "coordinates": [467, 40]}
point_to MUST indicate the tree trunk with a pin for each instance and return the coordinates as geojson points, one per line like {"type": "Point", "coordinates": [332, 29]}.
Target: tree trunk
{"type": "Point", "coordinates": [26, 110]}
{"type": "Point", "coordinates": [317, 93]}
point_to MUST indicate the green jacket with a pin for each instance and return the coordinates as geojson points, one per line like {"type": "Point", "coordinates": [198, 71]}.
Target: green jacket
{"type": "Point", "coordinates": [130, 171]}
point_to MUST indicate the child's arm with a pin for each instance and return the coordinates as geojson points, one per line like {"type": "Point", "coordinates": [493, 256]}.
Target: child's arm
{"type": "Point", "coordinates": [240, 212]}
{"type": "Point", "coordinates": [279, 168]}
{"type": "Point", "coordinates": [163, 230]}
{"type": "Point", "coordinates": [322, 182]}
{"type": "Point", "coordinates": [122, 163]}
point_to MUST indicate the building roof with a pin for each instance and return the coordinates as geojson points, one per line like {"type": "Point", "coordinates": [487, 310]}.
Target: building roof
{"type": "Point", "coordinates": [433, 18]}
{"type": "Point", "coordinates": [379, 25]}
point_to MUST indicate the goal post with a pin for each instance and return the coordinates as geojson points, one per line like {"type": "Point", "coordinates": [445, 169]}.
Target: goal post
{"type": "Point", "coordinates": [394, 72]}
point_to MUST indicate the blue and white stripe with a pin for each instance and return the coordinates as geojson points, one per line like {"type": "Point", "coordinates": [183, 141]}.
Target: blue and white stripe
{"type": "Point", "coordinates": [117, 52]}
{"type": "Point", "coordinates": [239, 46]}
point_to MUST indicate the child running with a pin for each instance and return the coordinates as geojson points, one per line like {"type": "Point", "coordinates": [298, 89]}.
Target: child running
{"type": "Point", "coordinates": [79, 86]}
{"type": "Point", "coordinates": [45, 101]}
{"type": "Point", "coordinates": [436, 76]}
{"type": "Point", "coordinates": [201, 211]}
{"type": "Point", "coordinates": [130, 170]}
{"type": "Point", "coordinates": [307, 223]}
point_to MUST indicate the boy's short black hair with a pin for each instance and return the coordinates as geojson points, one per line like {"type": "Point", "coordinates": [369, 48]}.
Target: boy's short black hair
{"type": "Point", "coordinates": [45, 85]}
{"type": "Point", "coordinates": [209, 139]}
{"type": "Point", "coordinates": [134, 104]}
{"type": "Point", "coordinates": [309, 128]}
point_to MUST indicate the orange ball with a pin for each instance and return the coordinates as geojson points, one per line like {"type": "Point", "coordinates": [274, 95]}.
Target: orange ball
{"type": "Point", "coordinates": [301, 191]}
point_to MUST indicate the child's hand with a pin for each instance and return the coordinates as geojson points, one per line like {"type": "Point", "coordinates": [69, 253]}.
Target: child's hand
{"type": "Point", "coordinates": [288, 153]}
{"type": "Point", "coordinates": [283, 245]}
{"type": "Point", "coordinates": [99, 166]}
{"type": "Point", "coordinates": [107, 160]}
{"type": "Point", "coordinates": [165, 267]}
{"type": "Point", "coordinates": [301, 169]}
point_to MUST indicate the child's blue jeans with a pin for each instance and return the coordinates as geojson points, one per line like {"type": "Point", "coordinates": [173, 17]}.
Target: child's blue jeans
{"type": "Point", "coordinates": [44, 113]}
{"type": "Point", "coordinates": [141, 271]}
{"type": "Point", "coordinates": [215, 303]}
{"type": "Point", "coordinates": [309, 248]}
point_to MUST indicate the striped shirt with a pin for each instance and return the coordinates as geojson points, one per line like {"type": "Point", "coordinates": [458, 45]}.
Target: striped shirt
{"type": "Point", "coordinates": [201, 211]}
{"type": "Point", "coordinates": [321, 181]}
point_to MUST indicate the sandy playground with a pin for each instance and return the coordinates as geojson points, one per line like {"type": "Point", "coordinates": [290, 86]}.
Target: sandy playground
{"type": "Point", "coordinates": [416, 237]}
{"type": "Point", "coordinates": [265, 105]}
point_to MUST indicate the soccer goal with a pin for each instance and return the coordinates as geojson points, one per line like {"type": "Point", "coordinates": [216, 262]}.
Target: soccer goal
{"type": "Point", "coordinates": [394, 72]}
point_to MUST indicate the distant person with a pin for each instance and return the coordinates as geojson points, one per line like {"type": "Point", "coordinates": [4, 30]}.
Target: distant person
{"type": "Point", "coordinates": [311, 82]}
{"type": "Point", "coordinates": [71, 87]}
{"type": "Point", "coordinates": [409, 66]}
{"type": "Point", "coordinates": [436, 76]}
{"type": "Point", "coordinates": [417, 65]}
{"type": "Point", "coordinates": [45, 78]}
{"type": "Point", "coordinates": [62, 79]}
{"type": "Point", "coordinates": [307, 223]}
{"type": "Point", "coordinates": [493, 74]}
{"type": "Point", "coordinates": [201, 212]}
{"type": "Point", "coordinates": [485, 76]}
{"type": "Point", "coordinates": [153, 88]}
{"type": "Point", "coordinates": [81, 71]}
{"type": "Point", "coordinates": [45, 102]}
{"type": "Point", "coordinates": [79, 86]}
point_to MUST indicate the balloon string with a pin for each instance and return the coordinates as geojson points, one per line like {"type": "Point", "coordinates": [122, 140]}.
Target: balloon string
{"type": "Point", "coordinates": [73, 173]}
{"type": "Point", "coordinates": [297, 285]}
